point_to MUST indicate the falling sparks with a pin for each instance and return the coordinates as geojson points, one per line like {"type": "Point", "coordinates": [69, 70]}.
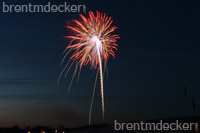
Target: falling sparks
{"type": "Point", "coordinates": [91, 43]}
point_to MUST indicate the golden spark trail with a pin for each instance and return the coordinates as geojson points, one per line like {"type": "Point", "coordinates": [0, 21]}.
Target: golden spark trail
{"type": "Point", "coordinates": [101, 82]}
{"type": "Point", "coordinates": [90, 112]}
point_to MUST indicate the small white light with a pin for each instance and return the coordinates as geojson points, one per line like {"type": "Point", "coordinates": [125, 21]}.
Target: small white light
{"type": "Point", "coordinates": [97, 41]}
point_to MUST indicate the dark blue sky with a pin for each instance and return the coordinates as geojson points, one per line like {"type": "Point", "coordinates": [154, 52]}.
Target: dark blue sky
{"type": "Point", "coordinates": [158, 52]}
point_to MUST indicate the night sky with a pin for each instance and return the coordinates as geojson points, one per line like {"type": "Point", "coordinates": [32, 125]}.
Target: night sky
{"type": "Point", "coordinates": [158, 53]}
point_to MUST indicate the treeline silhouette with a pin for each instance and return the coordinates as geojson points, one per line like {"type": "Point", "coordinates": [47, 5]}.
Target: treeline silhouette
{"type": "Point", "coordinates": [103, 128]}
{"type": "Point", "coordinates": [37, 129]}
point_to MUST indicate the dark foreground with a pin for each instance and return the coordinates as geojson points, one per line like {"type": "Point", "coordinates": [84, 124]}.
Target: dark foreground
{"type": "Point", "coordinates": [107, 128]}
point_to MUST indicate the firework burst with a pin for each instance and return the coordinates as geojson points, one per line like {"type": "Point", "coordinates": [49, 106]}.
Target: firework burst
{"type": "Point", "coordinates": [91, 43]}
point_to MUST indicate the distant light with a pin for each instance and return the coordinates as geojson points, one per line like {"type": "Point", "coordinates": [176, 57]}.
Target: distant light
{"type": "Point", "coordinates": [29, 132]}
{"type": "Point", "coordinates": [56, 131]}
